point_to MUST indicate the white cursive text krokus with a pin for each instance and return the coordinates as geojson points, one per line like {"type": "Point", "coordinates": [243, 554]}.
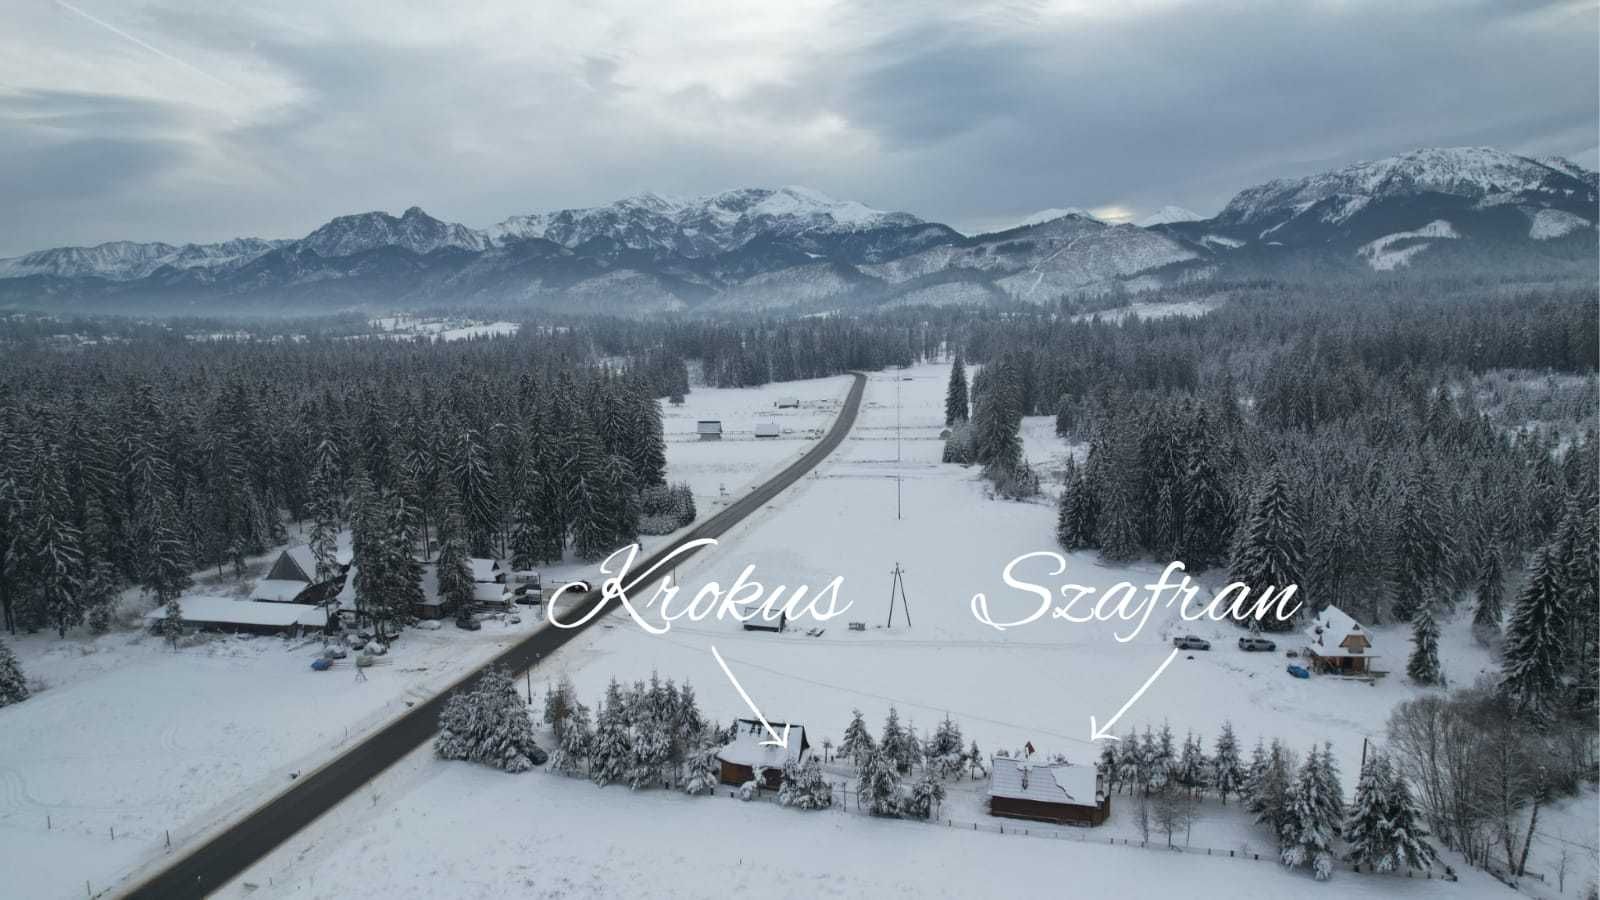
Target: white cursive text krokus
{"type": "Point", "coordinates": [744, 600]}
{"type": "Point", "coordinates": [1118, 601]}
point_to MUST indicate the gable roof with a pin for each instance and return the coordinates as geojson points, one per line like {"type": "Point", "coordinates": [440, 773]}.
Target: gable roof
{"type": "Point", "coordinates": [766, 429]}
{"type": "Point", "coordinates": [484, 569]}
{"type": "Point", "coordinates": [298, 563]}
{"type": "Point", "coordinates": [746, 748]}
{"type": "Point", "coordinates": [708, 426]}
{"type": "Point", "coordinates": [1045, 782]}
{"type": "Point", "coordinates": [227, 611]}
{"type": "Point", "coordinates": [1333, 633]}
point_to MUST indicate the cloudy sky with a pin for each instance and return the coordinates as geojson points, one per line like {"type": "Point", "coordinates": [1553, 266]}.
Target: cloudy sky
{"type": "Point", "coordinates": [186, 121]}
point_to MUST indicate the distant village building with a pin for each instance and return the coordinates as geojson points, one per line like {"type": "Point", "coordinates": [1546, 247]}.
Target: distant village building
{"type": "Point", "coordinates": [293, 578]}
{"type": "Point", "coordinates": [742, 757]}
{"type": "Point", "coordinates": [1047, 792]}
{"type": "Point", "coordinates": [1338, 645]}
{"type": "Point", "coordinates": [788, 403]}
{"type": "Point", "coordinates": [709, 429]}
{"type": "Point", "coordinates": [766, 429]}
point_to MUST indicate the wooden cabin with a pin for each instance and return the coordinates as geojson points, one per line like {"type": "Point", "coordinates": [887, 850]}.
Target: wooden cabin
{"type": "Point", "coordinates": [766, 429]}
{"type": "Point", "coordinates": [1336, 644]}
{"type": "Point", "coordinates": [709, 429]}
{"type": "Point", "coordinates": [1047, 792]}
{"type": "Point", "coordinates": [740, 759]}
{"type": "Point", "coordinates": [293, 578]}
{"type": "Point", "coordinates": [788, 403]}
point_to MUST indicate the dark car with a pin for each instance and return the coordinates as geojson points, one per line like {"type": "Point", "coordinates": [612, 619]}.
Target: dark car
{"type": "Point", "coordinates": [1190, 642]}
{"type": "Point", "coordinates": [1256, 645]}
{"type": "Point", "coordinates": [468, 623]}
{"type": "Point", "coordinates": [525, 594]}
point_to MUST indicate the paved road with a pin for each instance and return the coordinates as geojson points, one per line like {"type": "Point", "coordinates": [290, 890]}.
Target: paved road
{"type": "Point", "coordinates": [216, 862]}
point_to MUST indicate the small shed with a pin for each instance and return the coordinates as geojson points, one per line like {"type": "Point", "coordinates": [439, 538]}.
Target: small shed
{"type": "Point", "coordinates": [709, 429]}
{"type": "Point", "coordinates": [766, 429]}
{"type": "Point", "coordinates": [740, 758]}
{"type": "Point", "coordinates": [788, 403]}
{"type": "Point", "coordinates": [1047, 792]}
{"type": "Point", "coordinates": [1337, 644]}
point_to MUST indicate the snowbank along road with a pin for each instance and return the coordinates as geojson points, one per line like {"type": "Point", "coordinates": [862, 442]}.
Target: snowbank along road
{"type": "Point", "coordinates": [213, 863]}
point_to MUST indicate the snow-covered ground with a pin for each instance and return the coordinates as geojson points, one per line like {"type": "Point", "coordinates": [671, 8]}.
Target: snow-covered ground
{"type": "Point", "coordinates": [482, 833]}
{"type": "Point", "coordinates": [406, 327]}
{"type": "Point", "coordinates": [1188, 308]}
{"type": "Point", "coordinates": [185, 741]}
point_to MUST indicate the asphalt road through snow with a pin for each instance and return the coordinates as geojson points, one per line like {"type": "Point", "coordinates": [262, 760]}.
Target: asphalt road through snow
{"type": "Point", "coordinates": [212, 864]}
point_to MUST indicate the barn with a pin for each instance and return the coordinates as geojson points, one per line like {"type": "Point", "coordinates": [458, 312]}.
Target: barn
{"type": "Point", "coordinates": [1047, 792]}
{"type": "Point", "coordinates": [709, 429]}
{"type": "Point", "coordinates": [293, 578]}
{"type": "Point", "coordinates": [746, 753]}
{"type": "Point", "coordinates": [1337, 644]}
{"type": "Point", "coordinates": [788, 403]}
{"type": "Point", "coordinates": [243, 616]}
{"type": "Point", "coordinates": [766, 429]}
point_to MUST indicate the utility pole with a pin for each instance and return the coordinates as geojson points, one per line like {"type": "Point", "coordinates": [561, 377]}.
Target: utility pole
{"type": "Point", "coordinates": [898, 585]}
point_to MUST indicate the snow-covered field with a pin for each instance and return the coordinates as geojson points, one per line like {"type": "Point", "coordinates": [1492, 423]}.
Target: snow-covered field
{"type": "Point", "coordinates": [482, 833]}
{"type": "Point", "coordinates": [186, 741]}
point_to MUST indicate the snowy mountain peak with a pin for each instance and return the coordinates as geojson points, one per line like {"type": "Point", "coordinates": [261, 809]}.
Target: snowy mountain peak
{"type": "Point", "coordinates": [699, 226]}
{"type": "Point", "coordinates": [1047, 215]}
{"type": "Point", "coordinates": [415, 230]}
{"type": "Point", "coordinates": [1166, 215]}
{"type": "Point", "coordinates": [127, 260]}
{"type": "Point", "coordinates": [1469, 172]}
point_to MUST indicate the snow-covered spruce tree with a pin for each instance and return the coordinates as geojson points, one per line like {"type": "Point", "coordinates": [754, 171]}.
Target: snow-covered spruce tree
{"type": "Point", "coordinates": [1423, 665]}
{"type": "Point", "coordinates": [704, 771]}
{"type": "Point", "coordinates": [1208, 524]}
{"type": "Point", "coordinates": [1366, 827]}
{"type": "Point", "coordinates": [1076, 521]}
{"type": "Point", "coordinates": [857, 741]}
{"type": "Point", "coordinates": [1161, 761]}
{"type": "Point", "coordinates": [893, 741]}
{"type": "Point", "coordinates": [1254, 775]}
{"type": "Point", "coordinates": [171, 626]}
{"type": "Point", "coordinates": [452, 567]}
{"type": "Point", "coordinates": [955, 395]}
{"type": "Point", "coordinates": [1423, 545]}
{"type": "Point", "coordinates": [474, 482]}
{"type": "Point", "coordinates": [1270, 549]}
{"type": "Point", "coordinates": [324, 505]}
{"type": "Point", "coordinates": [99, 594]}
{"type": "Point", "coordinates": [1130, 763]}
{"type": "Point", "coordinates": [878, 783]}
{"type": "Point", "coordinates": [559, 699]}
{"type": "Point", "coordinates": [1534, 645]}
{"type": "Point", "coordinates": [804, 787]}
{"type": "Point", "coordinates": [489, 725]}
{"type": "Point", "coordinates": [927, 792]}
{"type": "Point", "coordinates": [1490, 608]}
{"type": "Point", "coordinates": [1313, 818]}
{"type": "Point", "coordinates": [977, 766]}
{"type": "Point", "coordinates": [946, 750]}
{"type": "Point", "coordinates": [1108, 764]}
{"type": "Point", "coordinates": [571, 756]}
{"type": "Point", "coordinates": [1582, 602]}
{"type": "Point", "coordinates": [652, 727]}
{"type": "Point", "coordinates": [1407, 834]}
{"type": "Point", "coordinates": [54, 555]}
{"type": "Point", "coordinates": [1227, 776]}
{"type": "Point", "coordinates": [611, 751]}
{"type": "Point", "coordinates": [1271, 800]}
{"type": "Point", "coordinates": [1192, 773]}
{"type": "Point", "coordinates": [13, 686]}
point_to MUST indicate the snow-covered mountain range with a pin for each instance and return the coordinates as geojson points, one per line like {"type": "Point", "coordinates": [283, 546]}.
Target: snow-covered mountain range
{"type": "Point", "coordinates": [796, 248]}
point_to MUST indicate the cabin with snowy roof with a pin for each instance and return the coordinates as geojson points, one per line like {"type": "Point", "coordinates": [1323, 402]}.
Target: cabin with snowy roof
{"type": "Point", "coordinates": [293, 578]}
{"type": "Point", "coordinates": [1337, 644]}
{"type": "Point", "coordinates": [742, 757]}
{"type": "Point", "coordinates": [1047, 792]}
{"type": "Point", "coordinates": [709, 429]}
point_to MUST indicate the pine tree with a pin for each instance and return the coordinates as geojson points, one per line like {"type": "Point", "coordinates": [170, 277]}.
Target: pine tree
{"type": "Point", "coordinates": [54, 558]}
{"type": "Point", "coordinates": [1271, 795]}
{"type": "Point", "coordinates": [1582, 601]}
{"type": "Point", "coordinates": [560, 700]}
{"type": "Point", "coordinates": [1407, 834]}
{"type": "Point", "coordinates": [172, 622]}
{"type": "Point", "coordinates": [1533, 646]}
{"type": "Point", "coordinates": [1270, 551]}
{"type": "Point", "coordinates": [1366, 828]}
{"type": "Point", "coordinates": [452, 567]}
{"type": "Point", "coordinates": [1423, 666]}
{"type": "Point", "coordinates": [325, 510]}
{"type": "Point", "coordinates": [1108, 764]}
{"type": "Point", "coordinates": [955, 396]}
{"type": "Point", "coordinates": [1312, 822]}
{"type": "Point", "coordinates": [878, 783]}
{"type": "Point", "coordinates": [1423, 546]}
{"type": "Point", "coordinates": [573, 739]}
{"type": "Point", "coordinates": [704, 770]}
{"type": "Point", "coordinates": [489, 725]}
{"type": "Point", "coordinates": [1208, 504]}
{"type": "Point", "coordinates": [1192, 769]}
{"type": "Point", "coordinates": [1076, 520]}
{"type": "Point", "coordinates": [893, 744]}
{"type": "Point", "coordinates": [611, 751]}
{"type": "Point", "coordinates": [13, 686]}
{"type": "Point", "coordinates": [1226, 774]}
{"type": "Point", "coordinates": [927, 792]}
{"type": "Point", "coordinates": [804, 787]}
{"type": "Point", "coordinates": [1489, 611]}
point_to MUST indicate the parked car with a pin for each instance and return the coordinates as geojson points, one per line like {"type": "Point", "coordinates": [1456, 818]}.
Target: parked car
{"type": "Point", "coordinates": [525, 594]}
{"type": "Point", "coordinates": [1190, 642]}
{"type": "Point", "coordinates": [575, 587]}
{"type": "Point", "coordinates": [468, 623]}
{"type": "Point", "coordinates": [1298, 671]}
{"type": "Point", "coordinates": [1256, 645]}
{"type": "Point", "coordinates": [322, 664]}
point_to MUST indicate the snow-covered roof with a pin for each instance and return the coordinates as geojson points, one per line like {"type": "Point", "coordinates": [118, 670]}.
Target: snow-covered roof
{"type": "Point", "coordinates": [276, 590]}
{"type": "Point", "coordinates": [708, 426]}
{"type": "Point", "coordinates": [766, 429]}
{"type": "Point", "coordinates": [1044, 782]}
{"type": "Point", "coordinates": [784, 402]}
{"type": "Point", "coordinates": [306, 561]}
{"type": "Point", "coordinates": [226, 611]}
{"type": "Point", "coordinates": [484, 569]}
{"type": "Point", "coordinates": [746, 748]}
{"type": "Point", "coordinates": [1333, 633]}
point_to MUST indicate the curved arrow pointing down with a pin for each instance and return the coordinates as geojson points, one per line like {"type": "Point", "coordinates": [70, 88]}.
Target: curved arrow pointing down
{"type": "Point", "coordinates": [1097, 733]}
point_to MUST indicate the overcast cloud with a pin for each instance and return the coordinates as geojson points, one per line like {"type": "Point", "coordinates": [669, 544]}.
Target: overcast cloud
{"type": "Point", "coordinates": [199, 121]}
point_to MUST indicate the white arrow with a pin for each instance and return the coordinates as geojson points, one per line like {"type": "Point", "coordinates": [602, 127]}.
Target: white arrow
{"type": "Point", "coordinates": [1096, 733]}
{"type": "Point", "coordinates": [777, 740]}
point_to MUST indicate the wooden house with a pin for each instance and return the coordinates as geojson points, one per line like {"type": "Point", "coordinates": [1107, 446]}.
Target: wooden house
{"type": "Point", "coordinates": [788, 403]}
{"type": "Point", "coordinates": [766, 429]}
{"type": "Point", "coordinates": [1336, 644]}
{"type": "Point", "coordinates": [293, 578]}
{"type": "Point", "coordinates": [746, 754]}
{"type": "Point", "coordinates": [709, 429]}
{"type": "Point", "coordinates": [205, 613]}
{"type": "Point", "coordinates": [1047, 792]}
